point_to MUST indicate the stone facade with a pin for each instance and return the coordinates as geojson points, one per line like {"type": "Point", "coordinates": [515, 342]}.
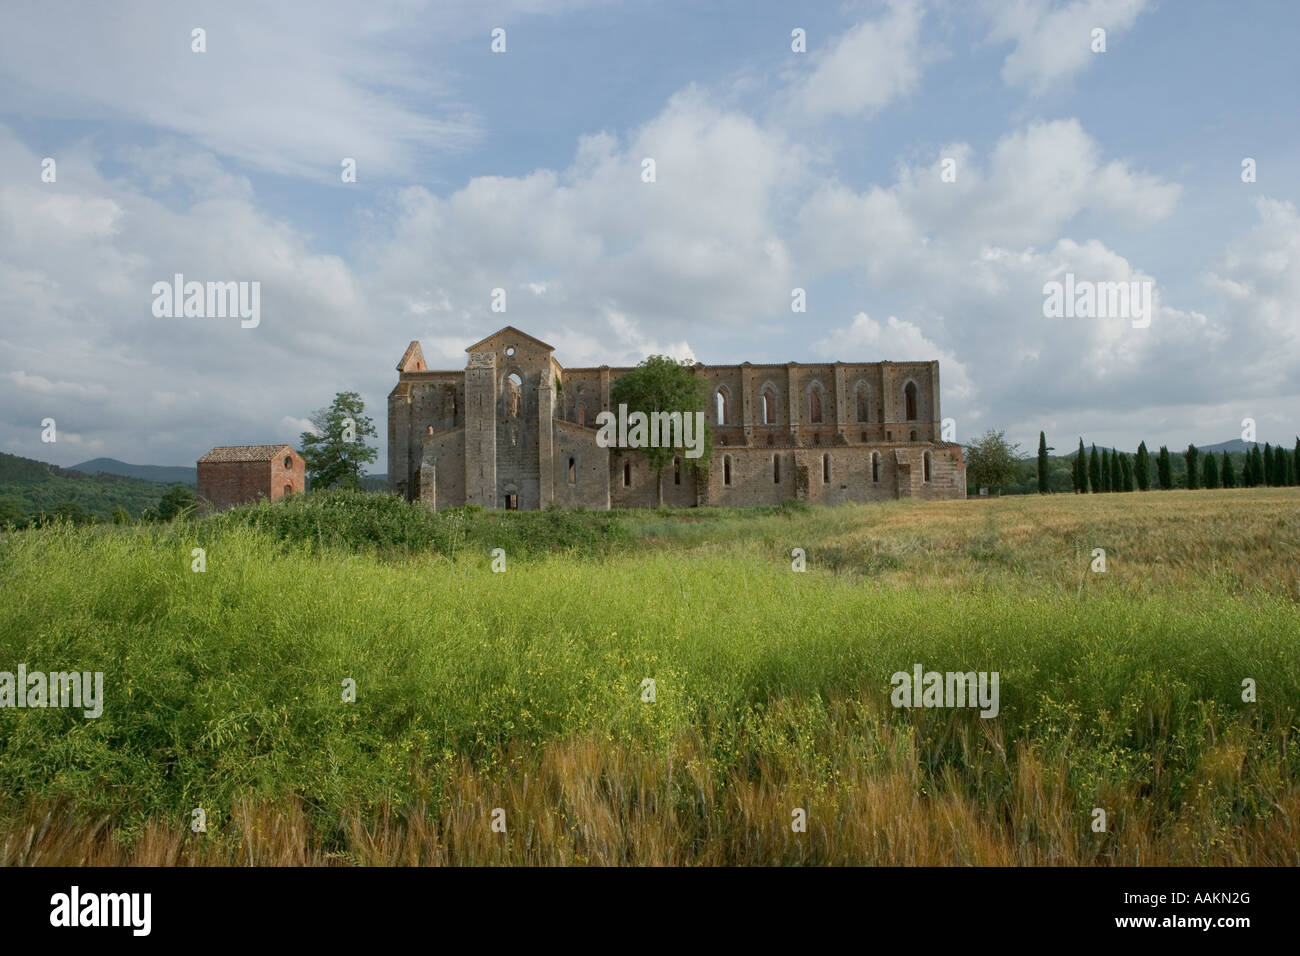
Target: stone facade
{"type": "Point", "coordinates": [232, 475]}
{"type": "Point", "coordinates": [517, 430]}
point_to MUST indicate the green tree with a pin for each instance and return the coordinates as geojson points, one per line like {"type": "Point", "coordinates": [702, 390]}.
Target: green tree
{"type": "Point", "coordinates": [1094, 470]}
{"type": "Point", "coordinates": [1105, 469]}
{"type": "Point", "coordinates": [1042, 463]}
{"type": "Point", "coordinates": [12, 511]}
{"type": "Point", "coordinates": [336, 449]}
{"type": "Point", "coordinates": [1080, 470]}
{"type": "Point", "coordinates": [1268, 464]}
{"type": "Point", "coordinates": [992, 462]}
{"type": "Point", "coordinates": [1142, 467]}
{"type": "Point", "coordinates": [1229, 477]}
{"type": "Point", "coordinates": [1295, 464]}
{"type": "Point", "coordinates": [1125, 472]}
{"type": "Point", "coordinates": [1256, 467]}
{"type": "Point", "coordinates": [177, 501]}
{"type": "Point", "coordinates": [1164, 469]}
{"type": "Point", "coordinates": [663, 384]}
{"type": "Point", "coordinates": [1115, 476]}
{"type": "Point", "coordinates": [121, 516]}
{"type": "Point", "coordinates": [1192, 457]}
{"type": "Point", "coordinates": [1210, 471]}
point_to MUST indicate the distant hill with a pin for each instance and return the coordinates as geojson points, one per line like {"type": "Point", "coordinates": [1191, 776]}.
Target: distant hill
{"type": "Point", "coordinates": [28, 486]}
{"type": "Point", "coordinates": [170, 474]}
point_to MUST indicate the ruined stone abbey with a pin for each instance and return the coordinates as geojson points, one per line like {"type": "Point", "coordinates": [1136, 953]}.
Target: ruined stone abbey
{"type": "Point", "coordinates": [514, 429]}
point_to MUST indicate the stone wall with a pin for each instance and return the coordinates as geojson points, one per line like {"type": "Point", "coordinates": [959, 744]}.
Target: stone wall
{"type": "Point", "coordinates": [825, 433]}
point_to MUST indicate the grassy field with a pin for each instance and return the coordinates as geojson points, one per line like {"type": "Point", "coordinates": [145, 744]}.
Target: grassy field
{"type": "Point", "coordinates": [522, 690]}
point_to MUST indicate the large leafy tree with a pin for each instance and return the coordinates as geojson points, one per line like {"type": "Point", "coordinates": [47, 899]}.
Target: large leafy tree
{"type": "Point", "coordinates": [177, 501]}
{"type": "Point", "coordinates": [12, 510]}
{"type": "Point", "coordinates": [336, 449]}
{"type": "Point", "coordinates": [992, 461]}
{"type": "Point", "coordinates": [663, 384]}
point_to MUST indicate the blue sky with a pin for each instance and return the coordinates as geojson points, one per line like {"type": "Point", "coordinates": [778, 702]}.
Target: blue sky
{"type": "Point", "coordinates": [521, 170]}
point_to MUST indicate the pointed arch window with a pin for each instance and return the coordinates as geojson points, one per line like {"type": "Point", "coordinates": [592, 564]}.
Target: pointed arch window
{"type": "Point", "coordinates": [862, 402]}
{"type": "Point", "coordinates": [769, 405]}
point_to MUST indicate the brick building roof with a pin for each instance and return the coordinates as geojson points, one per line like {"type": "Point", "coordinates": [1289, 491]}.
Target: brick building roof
{"type": "Point", "coordinates": [244, 453]}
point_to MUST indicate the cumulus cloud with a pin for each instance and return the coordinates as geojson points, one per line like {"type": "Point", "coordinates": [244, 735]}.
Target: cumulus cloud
{"type": "Point", "coordinates": [604, 266]}
{"type": "Point", "coordinates": [1054, 42]}
{"type": "Point", "coordinates": [863, 69]}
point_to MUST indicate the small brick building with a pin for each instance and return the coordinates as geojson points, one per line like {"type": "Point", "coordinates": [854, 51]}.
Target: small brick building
{"type": "Point", "coordinates": [232, 475]}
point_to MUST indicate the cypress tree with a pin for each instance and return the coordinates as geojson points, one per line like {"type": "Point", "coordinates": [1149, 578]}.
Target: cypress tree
{"type": "Point", "coordinates": [1094, 471]}
{"type": "Point", "coordinates": [1115, 479]}
{"type": "Point", "coordinates": [1256, 467]}
{"type": "Point", "coordinates": [1081, 469]}
{"type": "Point", "coordinates": [1125, 473]}
{"type": "Point", "coordinates": [1295, 464]}
{"type": "Point", "coordinates": [1210, 472]}
{"type": "Point", "coordinates": [1229, 479]}
{"type": "Point", "coordinates": [1268, 464]}
{"type": "Point", "coordinates": [1142, 468]}
{"type": "Point", "coordinates": [1279, 467]}
{"type": "Point", "coordinates": [1164, 469]}
{"type": "Point", "coordinates": [1193, 476]}
{"type": "Point", "coordinates": [1247, 470]}
{"type": "Point", "coordinates": [1042, 463]}
{"type": "Point", "coordinates": [1105, 469]}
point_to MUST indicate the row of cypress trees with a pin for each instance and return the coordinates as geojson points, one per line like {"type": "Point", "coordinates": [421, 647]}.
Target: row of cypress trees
{"type": "Point", "coordinates": [1116, 471]}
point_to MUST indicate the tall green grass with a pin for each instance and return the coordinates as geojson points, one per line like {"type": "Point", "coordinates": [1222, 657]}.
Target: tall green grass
{"type": "Point", "coordinates": [226, 684]}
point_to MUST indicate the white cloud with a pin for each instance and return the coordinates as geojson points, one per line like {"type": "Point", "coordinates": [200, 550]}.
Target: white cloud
{"type": "Point", "coordinates": [895, 340]}
{"type": "Point", "coordinates": [863, 69]}
{"type": "Point", "coordinates": [1054, 42]}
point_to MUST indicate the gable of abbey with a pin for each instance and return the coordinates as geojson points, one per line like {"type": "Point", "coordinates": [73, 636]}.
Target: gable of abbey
{"type": "Point", "coordinates": [515, 429]}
